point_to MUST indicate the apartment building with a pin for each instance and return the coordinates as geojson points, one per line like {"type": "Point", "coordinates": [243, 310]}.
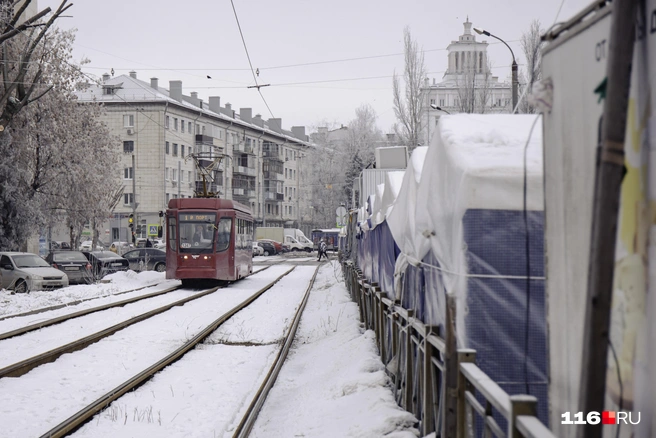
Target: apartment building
{"type": "Point", "coordinates": [176, 145]}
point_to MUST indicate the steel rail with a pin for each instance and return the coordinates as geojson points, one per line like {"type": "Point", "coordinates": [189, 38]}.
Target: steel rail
{"type": "Point", "coordinates": [23, 367]}
{"type": "Point", "coordinates": [85, 414]}
{"type": "Point", "coordinates": [71, 303]}
{"type": "Point", "coordinates": [249, 418]}
{"type": "Point", "coordinates": [62, 318]}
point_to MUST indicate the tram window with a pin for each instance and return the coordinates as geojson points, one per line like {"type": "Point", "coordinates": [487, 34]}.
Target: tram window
{"type": "Point", "coordinates": [223, 234]}
{"type": "Point", "coordinates": [173, 238]}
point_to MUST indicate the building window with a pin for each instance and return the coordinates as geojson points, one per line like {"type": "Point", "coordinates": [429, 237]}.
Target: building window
{"type": "Point", "coordinates": [294, 192]}
{"type": "Point", "coordinates": [197, 129]}
{"type": "Point", "coordinates": [128, 121]}
{"type": "Point", "coordinates": [166, 122]}
{"type": "Point", "coordinates": [168, 197]}
{"type": "Point", "coordinates": [441, 102]}
{"type": "Point", "coordinates": [175, 196]}
{"type": "Point", "coordinates": [182, 176]}
{"type": "Point", "coordinates": [174, 177]}
{"type": "Point", "coordinates": [175, 123]}
{"type": "Point", "coordinates": [128, 198]}
{"type": "Point", "coordinates": [175, 149]}
{"type": "Point", "coordinates": [182, 150]}
{"type": "Point", "coordinates": [167, 148]}
{"type": "Point", "coordinates": [128, 146]}
{"type": "Point", "coordinates": [189, 127]}
{"type": "Point", "coordinates": [182, 125]}
{"type": "Point", "coordinates": [166, 173]}
{"type": "Point", "coordinates": [127, 173]}
{"type": "Point", "coordinates": [432, 101]}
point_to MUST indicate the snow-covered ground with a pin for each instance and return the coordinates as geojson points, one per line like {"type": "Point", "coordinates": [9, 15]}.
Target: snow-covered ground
{"type": "Point", "coordinates": [333, 384]}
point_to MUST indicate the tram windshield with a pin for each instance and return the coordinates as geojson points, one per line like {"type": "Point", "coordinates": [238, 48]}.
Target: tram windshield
{"type": "Point", "coordinates": [197, 231]}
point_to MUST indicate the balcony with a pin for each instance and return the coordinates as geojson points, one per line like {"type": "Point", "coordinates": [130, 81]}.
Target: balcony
{"type": "Point", "coordinates": [202, 139]}
{"type": "Point", "coordinates": [273, 176]}
{"type": "Point", "coordinates": [244, 170]}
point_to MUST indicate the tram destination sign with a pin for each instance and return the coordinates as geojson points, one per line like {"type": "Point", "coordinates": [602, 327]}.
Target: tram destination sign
{"type": "Point", "coordinates": [197, 217]}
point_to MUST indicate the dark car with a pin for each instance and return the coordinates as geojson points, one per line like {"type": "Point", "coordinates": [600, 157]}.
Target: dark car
{"type": "Point", "coordinates": [268, 247]}
{"type": "Point", "coordinates": [105, 262]}
{"type": "Point", "coordinates": [146, 259]}
{"type": "Point", "coordinates": [73, 263]}
{"type": "Point", "coordinates": [277, 245]}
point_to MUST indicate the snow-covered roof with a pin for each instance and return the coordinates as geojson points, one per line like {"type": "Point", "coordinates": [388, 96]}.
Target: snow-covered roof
{"type": "Point", "coordinates": [130, 90]}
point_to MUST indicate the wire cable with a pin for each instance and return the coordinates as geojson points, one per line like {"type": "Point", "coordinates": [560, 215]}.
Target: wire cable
{"type": "Point", "coordinates": [249, 58]}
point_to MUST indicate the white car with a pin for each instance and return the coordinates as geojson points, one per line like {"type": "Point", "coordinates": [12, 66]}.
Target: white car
{"type": "Point", "coordinates": [24, 272]}
{"type": "Point", "coordinates": [86, 246]}
{"type": "Point", "coordinates": [257, 249]}
{"type": "Point", "coordinates": [159, 244]}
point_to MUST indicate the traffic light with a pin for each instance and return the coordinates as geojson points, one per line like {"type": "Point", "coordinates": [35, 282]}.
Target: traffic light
{"type": "Point", "coordinates": [131, 226]}
{"type": "Point", "coordinates": [131, 219]}
{"type": "Point", "coordinates": [161, 213]}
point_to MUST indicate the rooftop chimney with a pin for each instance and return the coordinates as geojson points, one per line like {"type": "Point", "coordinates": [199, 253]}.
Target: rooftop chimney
{"type": "Point", "coordinates": [154, 83]}
{"type": "Point", "coordinates": [275, 125]}
{"type": "Point", "coordinates": [215, 104]}
{"type": "Point", "coordinates": [299, 132]}
{"type": "Point", "coordinates": [106, 77]}
{"type": "Point", "coordinates": [258, 120]}
{"type": "Point", "coordinates": [133, 74]}
{"type": "Point", "coordinates": [246, 114]}
{"type": "Point", "coordinates": [175, 90]}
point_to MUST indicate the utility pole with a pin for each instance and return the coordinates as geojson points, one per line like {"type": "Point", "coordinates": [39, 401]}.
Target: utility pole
{"type": "Point", "coordinates": [134, 193]}
{"type": "Point", "coordinates": [515, 84]}
{"type": "Point", "coordinates": [608, 181]}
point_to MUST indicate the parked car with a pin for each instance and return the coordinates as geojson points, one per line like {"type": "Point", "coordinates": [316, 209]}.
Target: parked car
{"type": "Point", "coordinates": [105, 262]}
{"type": "Point", "coordinates": [267, 247]}
{"type": "Point", "coordinates": [73, 263]}
{"type": "Point", "coordinates": [57, 244]}
{"type": "Point", "coordinates": [277, 245]}
{"type": "Point", "coordinates": [24, 272]}
{"type": "Point", "coordinates": [86, 246]}
{"type": "Point", "coordinates": [146, 259]}
{"type": "Point", "coordinates": [159, 244]}
{"type": "Point", "coordinates": [257, 250]}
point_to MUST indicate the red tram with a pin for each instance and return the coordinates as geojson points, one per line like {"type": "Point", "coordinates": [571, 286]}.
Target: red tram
{"type": "Point", "coordinates": [208, 239]}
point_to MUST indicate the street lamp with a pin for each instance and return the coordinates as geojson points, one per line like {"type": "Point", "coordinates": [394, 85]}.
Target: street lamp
{"type": "Point", "coordinates": [435, 107]}
{"type": "Point", "coordinates": [514, 65]}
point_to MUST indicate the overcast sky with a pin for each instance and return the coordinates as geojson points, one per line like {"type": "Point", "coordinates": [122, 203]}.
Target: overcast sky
{"type": "Point", "coordinates": [322, 59]}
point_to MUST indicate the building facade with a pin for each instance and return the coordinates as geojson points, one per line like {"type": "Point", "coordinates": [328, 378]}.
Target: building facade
{"type": "Point", "coordinates": [467, 86]}
{"type": "Point", "coordinates": [177, 146]}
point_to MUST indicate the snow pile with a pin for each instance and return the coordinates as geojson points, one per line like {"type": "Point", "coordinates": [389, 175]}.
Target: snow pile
{"type": "Point", "coordinates": [11, 304]}
{"type": "Point", "coordinates": [333, 383]}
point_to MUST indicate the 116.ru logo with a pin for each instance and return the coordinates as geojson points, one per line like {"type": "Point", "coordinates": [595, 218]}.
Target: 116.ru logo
{"type": "Point", "coordinates": [606, 417]}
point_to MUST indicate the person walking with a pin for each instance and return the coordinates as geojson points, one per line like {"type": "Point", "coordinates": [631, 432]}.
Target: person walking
{"type": "Point", "coordinates": [322, 250]}
{"type": "Point", "coordinates": [149, 243]}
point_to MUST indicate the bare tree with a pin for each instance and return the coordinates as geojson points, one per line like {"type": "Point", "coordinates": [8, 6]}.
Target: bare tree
{"type": "Point", "coordinates": [531, 46]}
{"type": "Point", "coordinates": [473, 86]}
{"type": "Point", "coordinates": [20, 79]}
{"type": "Point", "coordinates": [409, 104]}
{"type": "Point", "coordinates": [61, 157]}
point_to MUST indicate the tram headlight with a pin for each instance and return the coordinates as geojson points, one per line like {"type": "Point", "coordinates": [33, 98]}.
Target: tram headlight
{"type": "Point", "coordinates": [185, 257]}
{"type": "Point", "coordinates": [205, 257]}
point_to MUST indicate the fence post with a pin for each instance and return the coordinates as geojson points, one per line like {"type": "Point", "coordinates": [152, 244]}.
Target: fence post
{"type": "Point", "coordinates": [409, 379]}
{"type": "Point", "coordinates": [428, 398]}
{"type": "Point", "coordinates": [464, 356]}
{"type": "Point", "coordinates": [379, 320]}
{"type": "Point", "coordinates": [520, 405]}
{"type": "Point", "coordinates": [450, 408]}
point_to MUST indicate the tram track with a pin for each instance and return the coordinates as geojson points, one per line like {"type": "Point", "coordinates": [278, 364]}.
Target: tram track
{"type": "Point", "coordinates": [63, 318]}
{"type": "Point", "coordinates": [24, 366]}
{"type": "Point", "coordinates": [250, 417]}
{"type": "Point", "coordinates": [72, 303]}
{"type": "Point", "coordinates": [85, 414]}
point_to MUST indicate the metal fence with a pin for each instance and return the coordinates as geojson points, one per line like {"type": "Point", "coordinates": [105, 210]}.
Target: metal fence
{"type": "Point", "coordinates": [440, 384]}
